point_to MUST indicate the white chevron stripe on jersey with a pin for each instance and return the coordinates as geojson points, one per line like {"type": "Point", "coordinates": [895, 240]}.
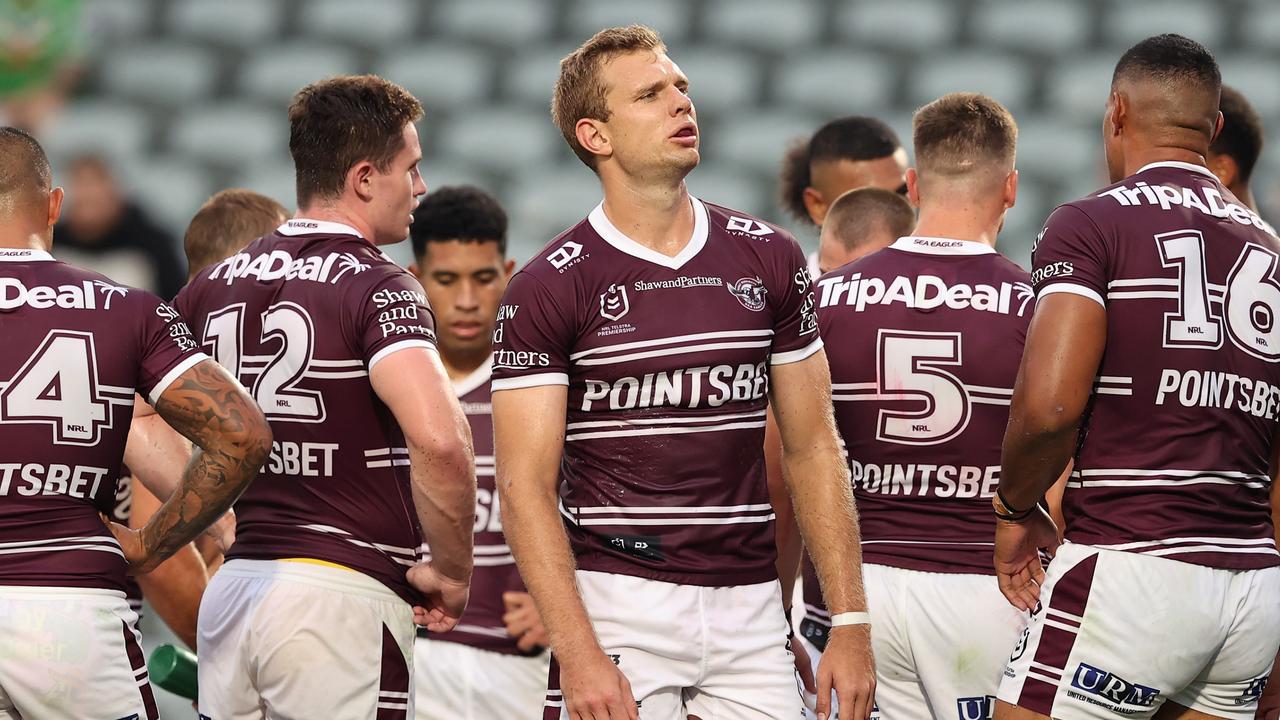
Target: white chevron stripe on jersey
{"type": "Point", "coordinates": [674, 419]}
{"type": "Point", "coordinates": [647, 431]}
{"type": "Point", "coordinates": [658, 342]}
{"type": "Point", "coordinates": [679, 350]}
{"type": "Point", "coordinates": [394, 552]}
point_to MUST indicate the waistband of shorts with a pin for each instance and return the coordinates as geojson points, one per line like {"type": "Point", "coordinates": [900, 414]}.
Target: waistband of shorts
{"type": "Point", "coordinates": [37, 591]}
{"type": "Point", "coordinates": [326, 576]}
{"type": "Point", "coordinates": [643, 579]}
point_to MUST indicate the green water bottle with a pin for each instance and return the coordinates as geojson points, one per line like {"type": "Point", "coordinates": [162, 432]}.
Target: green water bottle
{"type": "Point", "coordinates": [174, 669]}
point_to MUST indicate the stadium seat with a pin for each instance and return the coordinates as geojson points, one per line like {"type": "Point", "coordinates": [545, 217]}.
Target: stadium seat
{"type": "Point", "coordinates": [373, 23]}
{"type": "Point", "coordinates": [756, 140]}
{"type": "Point", "coordinates": [720, 81]}
{"type": "Point", "coordinates": [1125, 23]}
{"type": "Point", "coordinates": [1038, 25]}
{"type": "Point", "coordinates": [107, 23]}
{"type": "Point", "coordinates": [272, 177]}
{"type": "Point", "coordinates": [898, 24]}
{"type": "Point", "coordinates": [1078, 89]}
{"type": "Point", "coordinates": [168, 74]}
{"type": "Point", "coordinates": [530, 76]}
{"type": "Point", "coordinates": [1004, 78]}
{"type": "Point", "coordinates": [501, 139]}
{"type": "Point", "coordinates": [1023, 223]}
{"type": "Point", "coordinates": [1260, 25]}
{"type": "Point", "coordinates": [234, 23]}
{"type": "Point", "coordinates": [171, 188]}
{"type": "Point", "coordinates": [724, 186]}
{"type": "Point", "coordinates": [440, 74]}
{"type": "Point", "coordinates": [544, 203]}
{"type": "Point", "coordinates": [1255, 76]}
{"type": "Point", "coordinates": [1051, 148]}
{"type": "Point", "coordinates": [671, 18]}
{"type": "Point", "coordinates": [834, 82]}
{"type": "Point", "coordinates": [517, 23]}
{"type": "Point", "coordinates": [275, 73]}
{"type": "Point", "coordinates": [763, 24]}
{"type": "Point", "coordinates": [114, 129]}
{"type": "Point", "coordinates": [230, 134]}
{"type": "Point", "coordinates": [439, 169]}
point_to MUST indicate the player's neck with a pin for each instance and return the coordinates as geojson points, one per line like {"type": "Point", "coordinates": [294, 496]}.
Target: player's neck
{"type": "Point", "coordinates": [17, 239]}
{"type": "Point", "coordinates": [964, 223]}
{"type": "Point", "coordinates": [660, 217]}
{"type": "Point", "coordinates": [460, 365]}
{"type": "Point", "coordinates": [337, 214]}
{"type": "Point", "coordinates": [1137, 158]}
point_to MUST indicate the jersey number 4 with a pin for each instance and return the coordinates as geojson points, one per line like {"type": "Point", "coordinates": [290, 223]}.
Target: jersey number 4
{"type": "Point", "coordinates": [58, 385]}
{"type": "Point", "coordinates": [1249, 304]}
{"type": "Point", "coordinates": [275, 376]}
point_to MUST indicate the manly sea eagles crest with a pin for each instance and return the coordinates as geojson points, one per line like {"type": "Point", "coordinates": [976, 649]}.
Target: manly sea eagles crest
{"type": "Point", "coordinates": [750, 292]}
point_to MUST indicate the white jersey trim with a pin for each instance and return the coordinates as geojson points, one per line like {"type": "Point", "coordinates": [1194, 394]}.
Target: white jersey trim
{"type": "Point", "coordinates": [398, 346]}
{"type": "Point", "coordinates": [528, 381]}
{"type": "Point", "coordinates": [619, 240]}
{"type": "Point", "coordinates": [786, 358]}
{"type": "Point", "coordinates": [478, 377]}
{"type": "Point", "coordinates": [174, 374]}
{"type": "Point", "coordinates": [1179, 165]}
{"type": "Point", "coordinates": [307, 226]}
{"type": "Point", "coordinates": [737, 334]}
{"type": "Point", "coordinates": [1072, 289]}
{"type": "Point", "coordinates": [24, 255]}
{"type": "Point", "coordinates": [926, 245]}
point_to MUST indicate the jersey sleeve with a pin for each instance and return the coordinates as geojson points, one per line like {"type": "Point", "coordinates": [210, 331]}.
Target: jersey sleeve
{"type": "Point", "coordinates": [1070, 256]}
{"type": "Point", "coordinates": [795, 330]}
{"type": "Point", "coordinates": [168, 348]}
{"type": "Point", "coordinates": [533, 338]}
{"type": "Point", "coordinates": [392, 314]}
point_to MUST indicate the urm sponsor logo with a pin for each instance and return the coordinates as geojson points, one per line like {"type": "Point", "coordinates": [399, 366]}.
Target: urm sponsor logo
{"type": "Point", "coordinates": [976, 708]}
{"type": "Point", "coordinates": [1104, 684]}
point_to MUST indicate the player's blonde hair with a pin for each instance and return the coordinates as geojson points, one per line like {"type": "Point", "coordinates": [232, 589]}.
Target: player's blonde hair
{"type": "Point", "coordinates": [961, 133]}
{"type": "Point", "coordinates": [580, 92]}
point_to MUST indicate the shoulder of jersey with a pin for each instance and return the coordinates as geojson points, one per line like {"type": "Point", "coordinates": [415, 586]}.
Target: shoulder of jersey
{"type": "Point", "coordinates": [90, 289]}
{"type": "Point", "coordinates": [567, 250]}
{"type": "Point", "coordinates": [745, 227]}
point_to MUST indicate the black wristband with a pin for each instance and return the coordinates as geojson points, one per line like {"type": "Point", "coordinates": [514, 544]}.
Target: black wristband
{"type": "Point", "coordinates": [1014, 515]}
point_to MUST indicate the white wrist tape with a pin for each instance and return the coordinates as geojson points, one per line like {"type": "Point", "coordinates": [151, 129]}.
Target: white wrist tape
{"type": "Point", "coordinates": [850, 618]}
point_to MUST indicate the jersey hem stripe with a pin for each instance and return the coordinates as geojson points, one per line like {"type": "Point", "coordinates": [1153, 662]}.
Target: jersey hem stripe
{"type": "Point", "coordinates": [786, 358]}
{"type": "Point", "coordinates": [528, 381]}
{"type": "Point", "coordinates": [1072, 289]}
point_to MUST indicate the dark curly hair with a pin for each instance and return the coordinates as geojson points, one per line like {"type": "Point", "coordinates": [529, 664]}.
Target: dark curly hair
{"type": "Point", "coordinates": [460, 212]}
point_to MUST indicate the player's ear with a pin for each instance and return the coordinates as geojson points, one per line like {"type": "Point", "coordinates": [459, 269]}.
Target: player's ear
{"type": "Point", "coordinates": [360, 180]}
{"type": "Point", "coordinates": [815, 204]}
{"type": "Point", "coordinates": [591, 136]}
{"type": "Point", "coordinates": [1224, 166]}
{"type": "Point", "coordinates": [1117, 111]}
{"type": "Point", "coordinates": [1011, 189]}
{"type": "Point", "coordinates": [1217, 127]}
{"type": "Point", "coordinates": [913, 186]}
{"type": "Point", "coordinates": [56, 197]}
{"type": "Point", "coordinates": [413, 269]}
{"type": "Point", "coordinates": [509, 266]}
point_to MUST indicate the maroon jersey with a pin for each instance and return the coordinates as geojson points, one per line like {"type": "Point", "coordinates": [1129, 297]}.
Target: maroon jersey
{"type": "Point", "coordinates": [77, 348]}
{"type": "Point", "coordinates": [1176, 442]}
{"type": "Point", "coordinates": [667, 365]}
{"type": "Point", "coordinates": [121, 506]}
{"type": "Point", "coordinates": [495, 570]}
{"type": "Point", "coordinates": [301, 316]}
{"type": "Point", "coordinates": [924, 340]}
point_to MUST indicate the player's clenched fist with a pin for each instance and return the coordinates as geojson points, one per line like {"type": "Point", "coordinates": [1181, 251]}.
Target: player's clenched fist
{"type": "Point", "coordinates": [847, 667]}
{"type": "Point", "coordinates": [595, 689]}
{"type": "Point", "coordinates": [446, 598]}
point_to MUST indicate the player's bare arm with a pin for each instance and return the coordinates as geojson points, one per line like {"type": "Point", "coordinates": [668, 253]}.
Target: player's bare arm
{"type": "Point", "coordinates": [212, 410]}
{"type": "Point", "coordinates": [529, 428]}
{"type": "Point", "coordinates": [175, 587]}
{"type": "Point", "coordinates": [413, 384]}
{"type": "Point", "coordinates": [1064, 347]}
{"type": "Point", "coordinates": [818, 479]}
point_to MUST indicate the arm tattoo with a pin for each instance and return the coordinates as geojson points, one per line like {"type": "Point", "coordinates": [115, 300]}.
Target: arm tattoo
{"type": "Point", "coordinates": [232, 439]}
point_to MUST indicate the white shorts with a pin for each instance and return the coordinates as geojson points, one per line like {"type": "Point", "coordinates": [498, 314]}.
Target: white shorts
{"type": "Point", "coordinates": [940, 640]}
{"type": "Point", "coordinates": [714, 652]}
{"type": "Point", "coordinates": [458, 682]}
{"type": "Point", "coordinates": [71, 653]}
{"type": "Point", "coordinates": [1117, 634]}
{"type": "Point", "coordinates": [299, 640]}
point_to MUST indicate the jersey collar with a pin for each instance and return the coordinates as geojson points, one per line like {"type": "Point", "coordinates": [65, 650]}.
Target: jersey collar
{"type": "Point", "coordinates": [615, 237]}
{"type": "Point", "coordinates": [307, 226]}
{"type": "Point", "coordinates": [1179, 165]}
{"type": "Point", "coordinates": [24, 255]}
{"type": "Point", "coordinates": [941, 246]}
{"type": "Point", "coordinates": [478, 377]}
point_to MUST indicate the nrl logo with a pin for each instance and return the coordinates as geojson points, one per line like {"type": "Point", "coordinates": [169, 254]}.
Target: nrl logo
{"type": "Point", "coordinates": [614, 303]}
{"type": "Point", "coordinates": [750, 292]}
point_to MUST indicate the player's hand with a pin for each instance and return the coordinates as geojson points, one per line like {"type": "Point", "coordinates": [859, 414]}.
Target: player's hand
{"type": "Point", "coordinates": [446, 598]}
{"type": "Point", "coordinates": [523, 621]}
{"type": "Point", "coordinates": [595, 689]}
{"type": "Point", "coordinates": [136, 553]}
{"type": "Point", "coordinates": [848, 667]}
{"type": "Point", "coordinates": [804, 673]}
{"type": "Point", "coordinates": [1017, 556]}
